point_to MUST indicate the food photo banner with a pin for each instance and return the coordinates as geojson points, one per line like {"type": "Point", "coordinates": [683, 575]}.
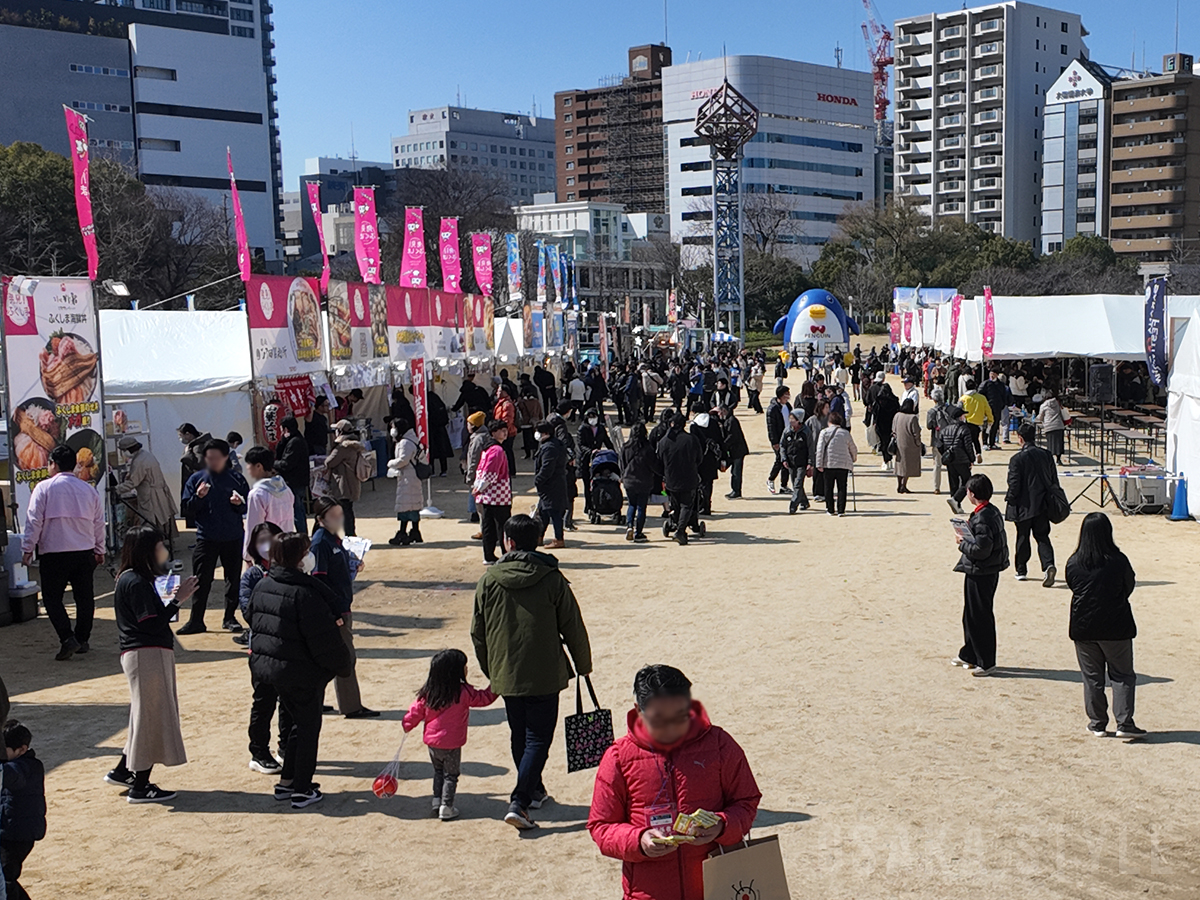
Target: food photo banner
{"type": "Point", "coordinates": [52, 360]}
{"type": "Point", "coordinates": [350, 336]}
{"type": "Point", "coordinates": [286, 335]}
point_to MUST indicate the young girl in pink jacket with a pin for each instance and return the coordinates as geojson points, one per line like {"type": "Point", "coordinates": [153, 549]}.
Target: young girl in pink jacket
{"type": "Point", "coordinates": [444, 704]}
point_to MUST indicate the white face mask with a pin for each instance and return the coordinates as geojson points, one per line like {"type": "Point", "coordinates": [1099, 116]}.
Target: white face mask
{"type": "Point", "coordinates": [308, 563]}
{"type": "Point", "coordinates": [263, 550]}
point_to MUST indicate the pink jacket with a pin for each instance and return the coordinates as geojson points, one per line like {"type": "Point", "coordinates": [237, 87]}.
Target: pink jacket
{"type": "Point", "coordinates": [492, 485]}
{"type": "Point", "coordinates": [446, 729]}
{"type": "Point", "coordinates": [705, 770]}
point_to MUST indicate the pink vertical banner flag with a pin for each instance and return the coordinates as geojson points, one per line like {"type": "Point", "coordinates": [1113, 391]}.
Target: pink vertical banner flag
{"type": "Point", "coordinates": [239, 223]}
{"type": "Point", "coordinates": [451, 261]}
{"type": "Point", "coordinates": [420, 400]}
{"type": "Point", "coordinates": [366, 235]}
{"type": "Point", "coordinates": [314, 204]}
{"type": "Point", "coordinates": [412, 265]}
{"type": "Point", "coordinates": [908, 317]}
{"type": "Point", "coordinates": [955, 312]}
{"type": "Point", "coordinates": [481, 259]}
{"type": "Point", "coordinates": [77, 132]}
{"type": "Point", "coordinates": [894, 328]}
{"type": "Point", "coordinates": [988, 340]}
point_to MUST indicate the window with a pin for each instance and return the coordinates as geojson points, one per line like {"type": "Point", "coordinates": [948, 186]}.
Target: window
{"type": "Point", "coordinates": [442, 145]}
{"type": "Point", "coordinates": [110, 145]}
{"type": "Point", "coordinates": [99, 107]}
{"type": "Point", "coordinates": [571, 196]}
{"type": "Point", "coordinates": [571, 165]}
{"type": "Point", "coordinates": [1063, 49]}
{"type": "Point", "coordinates": [542, 154]}
{"type": "Point", "coordinates": [493, 148]}
{"type": "Point", "coordinates": [99, 70]}
{"type": "Point", "coordinates": [241, 31]}
{"type": "Point", "coordinates": [241, 15]}
{"type": "Point", "coordinates": [567, 117]}
{"type": "Point", "coordinates": [569, 133]}
{"type": "Point", "coordinates": [1065, 30]}
{"type": "Point", "coordinates": [705, 166]}
{"type": "Point", "coordinates": [569, 150]}
{"type": "Point", "coordinates": [164, 5]}
{"type": "Point", "coordinates": [703, 191]}
{"type": "Point", "coordinates": [566, 101]}
{"type": "Point", "coordinates": [571, 181]}
{"type": "Point", "coordinates": [206, 8]}
{"type": "Point", "coordinates": [158, 144]}
{"type": "Point", "coordinates": [549, 154]}
{"type": "Point", "coordinates": [521, 151]}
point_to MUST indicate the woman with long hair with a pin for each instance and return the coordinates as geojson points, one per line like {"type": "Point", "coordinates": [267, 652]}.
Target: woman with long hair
{"type": "Point", "coordinates": [1101, 581]}
{"type": "Point", "coordinates": [410, 496]}
{"type": "Point", "coordinates": [144, 616]}
{"type": "Point", "coordinates": [638, 475]}
{"type": "Point", "coordinates": [1054, 423]}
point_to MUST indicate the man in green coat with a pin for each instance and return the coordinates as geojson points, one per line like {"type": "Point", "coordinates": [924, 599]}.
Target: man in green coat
{"type": "Point", "coordinates": [525, 614]}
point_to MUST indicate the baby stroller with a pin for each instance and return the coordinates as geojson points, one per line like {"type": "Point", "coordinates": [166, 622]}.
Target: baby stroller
{"type": "Point", "coordinates": [607, 498]}
{"type": "Point", "coordinates": [671, 522]}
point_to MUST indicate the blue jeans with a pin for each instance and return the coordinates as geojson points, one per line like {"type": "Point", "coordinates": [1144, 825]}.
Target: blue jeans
{"type": "Point", "coordinates": [471, 508]}
{"type": "Point", "coordinates": [531, 721]}
{"type": "Point", "coordinates": [551, 517]}
{"type": "Point", "coordinates": [635, 517]}
{"type": "Point", "coordinates": [298, 511]}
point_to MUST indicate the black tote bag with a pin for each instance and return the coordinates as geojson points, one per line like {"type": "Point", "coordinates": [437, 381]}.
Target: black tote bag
{"type": "Point", "coordinates": [588, 734]}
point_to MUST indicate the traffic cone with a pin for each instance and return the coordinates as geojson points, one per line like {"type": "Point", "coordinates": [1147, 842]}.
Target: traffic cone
{"type": "Point", "coordinates": [1179, 513]}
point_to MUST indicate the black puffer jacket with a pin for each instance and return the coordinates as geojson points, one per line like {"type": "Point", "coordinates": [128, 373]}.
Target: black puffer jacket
{"type": "Point", "coordinates": [680, 453]}
{"type": "Point", "coordinates": [1100, 609]}
{"type": "Point", "coordinates": [639, 468]}
{"type": "Point", "coordinates": [985, 549]}
{"type": "Point", "coordinates": [796, 451]}
{"type": "Point", "coordinates": [23, 802]}
{"type": "Point", "coordinates": [294, 637]}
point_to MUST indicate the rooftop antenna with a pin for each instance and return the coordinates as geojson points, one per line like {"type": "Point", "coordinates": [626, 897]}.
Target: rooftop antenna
{"type": "Point", "coordinates": [665, 22]}
{"type": "Point", "coordinates": [458, 95]}
{"type": "Point", "coordinates": [353, 155]}
{"type": "Point", "coordinates": [1176, 26]}
{"type": "Point", "coordinates": [837, 54]}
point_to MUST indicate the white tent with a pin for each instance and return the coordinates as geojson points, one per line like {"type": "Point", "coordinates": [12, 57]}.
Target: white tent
{"type": "Point", "coordinates": [1183, 409]}
{"type": "Point", "coordinates": [968, 343]}
{"type": "Point", "coordinates": [186, 367]}
{"type": "Point", "coordinates": [941, 340]}
{"type": "Point", "coordinates": [1106, 326]}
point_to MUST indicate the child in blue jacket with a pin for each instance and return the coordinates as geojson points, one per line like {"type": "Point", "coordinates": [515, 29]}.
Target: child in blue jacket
{"type": "Point", "coordinates": [22, 804]}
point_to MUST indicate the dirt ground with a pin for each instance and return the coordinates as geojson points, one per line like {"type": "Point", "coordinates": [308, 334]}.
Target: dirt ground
{"type": "Point", "coordinates": [821, 644]}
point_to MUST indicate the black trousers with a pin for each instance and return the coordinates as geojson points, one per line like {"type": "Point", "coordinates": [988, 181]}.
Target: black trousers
{"type": "Point", "coordinates": [262, 709]}
{"type": "Point", "coordinates": [528, 444]}
{"type": "Point", "coordinates": [752, 400]}
{"type": "Point", "coordinates": [12, 858]}
{"type": "Point", "coordinates": [347, 506]}
{"type": "Point", "coordinates": [508, 445]}
{"type": "Point", "coordinates": [976, 431]}
{"type": "Point", "coordinates": [979, 621]}
{"type": "Point", "coordinates": [1039, 527]}
{"type": "Point", "coordinates": [491, 523]}
{"type": "Point", "coordinates": [76, 568]}
{"type": "Point", "coordinates": [958, 473]}
{"type": "Point", "coordinates": [835, 479]}
{"type": "Point", "coordinates": [204, 566]}
{"type": "Point", "coordinates": [683, 503]}
{"type": "Point", "coordinates": [300, 751]}
{"type": "Point", "coordinates": [779, 469]}
{"type": "Point", "coordinates": [649, 403]}
{"type": "Point", "coordinates": [994, 429]}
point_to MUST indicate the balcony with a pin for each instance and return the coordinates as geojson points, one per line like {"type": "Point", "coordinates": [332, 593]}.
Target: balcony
{"type": "Point", "coordinates": [950, 207]}
{"type": "Point", "coordinates": [952, 164]}
{"type": "Point", "coordinates": [1154, 126]}
{"type": "Point", "coordinates": [988, 117]}
{"type": "Point", "coordinates": [1149, 151]}
{"type": "Point", "coordinates": [989, 139]}
{"type": "Point", "coordinates": [991, 161]}
{"type": "Point", "coordinates": [989, 183]}
{"type": "Point", "coordinates": [1165, 220]}
{"type": "Point", "coordinates": [1148, 173]}
{"type": "Point", "coordinates": [1149, 104]}
{"type": "Point", "coordinates": [1143, 245]}
{"type": "Point", "coordinates": [991, 48]}
{"type": "Point", "coordinates": [953, 76]}
{"type": "Point", "coordinates": [985, 206]}
{"type": "Point", "coordinates": [954, 54]}
{"type": "Point", "coordinates": [958, 98]}
{"type": "Point", "coordinates": [1149, 198]}
{"type": "Point", "coordinates": [950, 187]}
{"type": "Point", "coordinates": [952, 32]}
{"type": "Point", "coordinates": [954, 142]}
{"type": "Point", "coordinates": [957, 120]}
{"type": "Point", "coordinates": [989, 95]}
{"type": "Point", "coordinates": [989, 27]}
{"type": "Point", "coordinates": [989, 72]}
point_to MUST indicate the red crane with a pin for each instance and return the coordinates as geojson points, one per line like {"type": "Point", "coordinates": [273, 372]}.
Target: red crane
{"type": "Point", "coordinates": [879, 49]}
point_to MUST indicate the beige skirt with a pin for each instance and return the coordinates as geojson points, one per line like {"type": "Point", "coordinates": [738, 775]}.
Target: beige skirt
{"type": "Point", "coordinates": [154, 736]}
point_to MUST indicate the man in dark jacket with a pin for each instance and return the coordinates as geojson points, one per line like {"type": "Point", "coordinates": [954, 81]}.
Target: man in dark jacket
{"type": "Point", "coordinates": [550, 479]}
{"type": "Point", "coordinates": [996, 393]}
{"type": "Point", "coordinates": [1031, 475]}
{"type": "Point", "coordinates": [473, 397]}
{"type": "Point", "coordinates": [984, 549]}
{"type": "Point", "coordinates": [525, 621]}
{"type": "Point", "coordinates": [291, 461]}
{"type": "Point", "coordinates": [562, 434]}
{"type": "Point", "coordinates": [736, 449]}
{"type": "Point", "coordinates": [296, 646]}
{"type": "Point", "coordinates": [679, 454]}
{"type": "Point", "coordinates": [777, 423]}
{"type": "Point", "coordinates": [216, 499]}
{"type": "Point", "coordinates": [958, 455]}
{"type": "Point", "coordinates": [22, 805]}
{"type": "Point", "coordinates": [797, 456]}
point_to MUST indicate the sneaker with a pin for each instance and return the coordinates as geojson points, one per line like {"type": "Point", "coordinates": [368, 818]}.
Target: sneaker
{"type": "Point", "coordinates": [1020, 576]}
{"type": "Point", "coordinates": [732, 496]}
{"type": "Point", "coordinates": [640, 538]}
{"type": "Point", "coordinates": [960, 662]}
{"type": "Point", "coordinates": [1131, 731]}
{"type": "Point", "coordinates": [67, 650]}
{"type": "Point", "coordinates": [284, 792]}
{"type": "Point", "coordinates": [629, 534]}
{"type": "Point", "coordinates": [232, 626]}
{"type": "Point", "coordinates": [519, 819]}
{"type": "Point", "coordinates": [151, 793]}
{"type": "Point", "coordinates": [791, 510]}
{"type": "Point", "coordinates": [681, 539]}
{"type": "Point", "coordinates": [265, 766]}
{"type": "Point", "coordinates": [981, 672]}
{"type": "Point", "coordinates": [192, 628]}
{"type": "Point", "coordinates": [1048, 581]}
{"type": "Point", "coordinates": [771, 487]}
{"type": "Point", "coordinates": [831, 514]}
{"type": "Point", "coordinates": [363, 713]}
{"type": "Point", "coordinates": [1097, 733]}
{"type": "Point", "coordinates": [301, 800]}
{"type": "Point", "coordinates": [446, 813]}
{"type": "Point", "coordinates": [118, 778]}
{"type": "Point", "coordinates": [954, 505]}
{"type": "Point", "coordinates": [540, 800]}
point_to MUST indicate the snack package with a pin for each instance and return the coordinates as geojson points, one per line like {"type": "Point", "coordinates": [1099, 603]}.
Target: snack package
{"type": "Point", "coordinates": [689, 823]}
{"type": "Point", "coordinates": [672, 839]}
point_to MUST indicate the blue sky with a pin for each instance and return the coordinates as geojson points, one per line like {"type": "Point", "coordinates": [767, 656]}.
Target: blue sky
{"type": "Point", "coordinates": [363, 64]}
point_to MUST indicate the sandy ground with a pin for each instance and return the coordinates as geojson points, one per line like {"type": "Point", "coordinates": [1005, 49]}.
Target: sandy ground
{"type": "Point", "coordinates": [821, 644]}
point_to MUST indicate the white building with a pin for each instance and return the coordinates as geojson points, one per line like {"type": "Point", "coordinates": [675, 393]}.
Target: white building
{"type": "Point", "coordinates": [339, 165]}
{"type": "Point", "coordinates": [590, 229]}
{"type": "Point", "coordinates": [516, 147]}
{"type": "Point", "coordinates": [1075, 155]}
{"type": "Point", "coordinates": [970, 96]}
{"type": "Point", "coordinates": [813, 154]}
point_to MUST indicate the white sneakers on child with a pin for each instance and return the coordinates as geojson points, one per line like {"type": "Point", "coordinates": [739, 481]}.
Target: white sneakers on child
{"type": "Point", "coordinates": [446, 813]}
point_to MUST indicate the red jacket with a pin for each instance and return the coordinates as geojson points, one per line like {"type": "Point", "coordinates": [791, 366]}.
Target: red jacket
{"type": "Point", "coordinates": [705, 770]}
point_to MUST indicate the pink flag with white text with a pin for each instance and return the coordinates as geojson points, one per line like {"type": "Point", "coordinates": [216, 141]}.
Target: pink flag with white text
{"type": "Point", "coordinates": [481, 259]}
{"type": "Point", "coordinates": [412, 265]}
{"type": "Point", "coordinates": [908, 317]}
{"type": "Point", "coordinates": [955, 312]}
{"type": "Point", "coordinates": [314, 204]}
{"type": "Point", "coordinates": [451, 261]}
{"type": "Point", "coordinates": [366, 234]}
{"type": "Point", "coordinates": [988, 340]}
{"type": "Point", "coordinates": [239, 223]}
{"type": "Point", "coordinates": [77, 132]}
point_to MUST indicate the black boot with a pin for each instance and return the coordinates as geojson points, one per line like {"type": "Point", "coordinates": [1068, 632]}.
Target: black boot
{"type": "Point", "coordinates": [401, 538]}
{"type": "Point", "coordinates": [415, 536]}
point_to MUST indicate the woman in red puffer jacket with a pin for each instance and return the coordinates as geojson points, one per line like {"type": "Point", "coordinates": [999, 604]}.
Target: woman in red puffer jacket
{"type": "Point", "coordinates": [673, 760]}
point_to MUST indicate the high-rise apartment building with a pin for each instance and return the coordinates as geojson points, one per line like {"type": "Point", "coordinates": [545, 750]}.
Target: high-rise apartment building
{"type": "Point", "coordinates": [610, 138]}
{"type": "Point", "coordinates": [970, 97]}
{"type": "Point", "coordinates": [1156, 165]}
{"type": "Point", "coordinates": [168, 85]}
{"type": "Point", "coordinates": [1075, 155]}
{"type": "Point", "coordinates": [515, 147]}
{"type": "Point", "coordinates": [814, 152]}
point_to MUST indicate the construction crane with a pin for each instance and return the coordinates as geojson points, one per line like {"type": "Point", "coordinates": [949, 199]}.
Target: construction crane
{"type": "Point", "coordinates": [879, 50]}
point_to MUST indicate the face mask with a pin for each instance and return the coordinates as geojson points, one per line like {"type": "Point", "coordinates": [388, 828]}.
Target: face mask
{"type": "Point", "coordinates": [264, 550]}
{"type": "Point", "coordinates": [308, 563]}
{"type": "Point", "coordinates": [593, 421]}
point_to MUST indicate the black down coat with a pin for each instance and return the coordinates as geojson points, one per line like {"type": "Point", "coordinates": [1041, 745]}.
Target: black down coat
{"type": "Point", "coordinates": [294, 636]}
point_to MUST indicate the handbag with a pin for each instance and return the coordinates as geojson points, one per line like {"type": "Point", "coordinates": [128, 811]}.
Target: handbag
{"type": "Point", "coordinates": [1058, 507]}
{"type": "Point", "coordinates": [754, 869]}
{"type": "Point", "coordinates": [589, 734]}
{"type": "Point", "coordinates": [421, 467]}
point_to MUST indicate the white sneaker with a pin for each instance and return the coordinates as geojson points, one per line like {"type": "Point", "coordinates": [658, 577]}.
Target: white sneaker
{"type": "Point", "coordinates": [1020, 576]}
{"type": "Point", "coordinates": [883, 467]}
{"type": "Point", "coordinates": [446, 813]}
{"type": "Point", "coordinates": [980, 672]}
{"type": "Point", "coordinates": [960, 662]}
{"type": "Point", "coordinates": [771, 487]}
{"type": "Point", "coordinates": [1097, 733]}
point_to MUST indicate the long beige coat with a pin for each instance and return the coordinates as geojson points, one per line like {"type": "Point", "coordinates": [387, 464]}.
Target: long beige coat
{"type": "Point", "coordinates": [908, 445]}
{"type": "Point", "coordinates": [145, 481]}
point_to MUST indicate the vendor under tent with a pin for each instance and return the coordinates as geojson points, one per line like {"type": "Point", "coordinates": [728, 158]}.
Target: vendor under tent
{"type": "Point", "coordinates": [186, 367]}
{"type": "Point", "coordinates": [1102, 326]}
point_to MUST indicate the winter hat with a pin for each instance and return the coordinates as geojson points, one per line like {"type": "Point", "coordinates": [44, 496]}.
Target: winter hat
{"type": "Point", "coordinates": [476, 419]}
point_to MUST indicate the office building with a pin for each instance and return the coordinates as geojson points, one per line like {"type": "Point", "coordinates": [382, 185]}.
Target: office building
{"type": "Point", "coordinates": [589, 229]}
{"type": "Point", "coordinates": [1075, 155]}
{"type": "Point", "coordinates": [1156, 165]}
{"type": "Point", "coordinates": [337, 177]}
{"type": "Point", "coordinates": [515, 147]}
{"type": "Point", "coordinates": [970, 93]}
{"type": "Point", "coordinates": [610, 138]}
{"type": "Point", "coordinates": [813, 153]}
{"type": "Point", "coordinates": [168, 85]}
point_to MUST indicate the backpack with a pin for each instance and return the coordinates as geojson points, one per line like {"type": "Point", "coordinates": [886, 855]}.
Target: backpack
{"type": "Point", "coordinates": [363, 469]}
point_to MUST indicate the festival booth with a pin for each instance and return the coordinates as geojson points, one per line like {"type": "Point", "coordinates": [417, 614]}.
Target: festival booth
{"type": "Point", "coordinates": [1101, 326]}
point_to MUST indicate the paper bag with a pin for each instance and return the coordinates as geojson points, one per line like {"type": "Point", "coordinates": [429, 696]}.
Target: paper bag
{"type": "Point", "coordinates": [750, 871]}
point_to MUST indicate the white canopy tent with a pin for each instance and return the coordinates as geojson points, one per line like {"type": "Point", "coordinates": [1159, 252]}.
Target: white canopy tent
{"type": "Point", "coordinates": [1183, 398]}
{"type": "Point", "coordinates": [1105, 326]}
{"type": "Point", "coordinates": [186, 367]}
{"type": "Point", "coordinates": [968, 343]}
